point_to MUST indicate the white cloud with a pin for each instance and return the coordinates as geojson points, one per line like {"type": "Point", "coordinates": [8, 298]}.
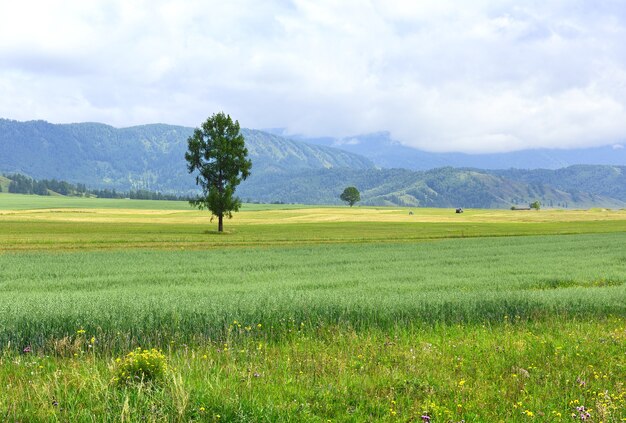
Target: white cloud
{"type": "Point", "coordinates": [439, 75]}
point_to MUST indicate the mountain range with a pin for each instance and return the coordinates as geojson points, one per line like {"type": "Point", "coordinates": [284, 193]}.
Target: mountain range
{"type": "Point", "coordinates": [448, 187]}
{"type": "Point", "coordinates": [143, 157]}
{"type": "Point", "coordinates": [386, 152]}
{"type": "Point", "coordinates": [287, 170]}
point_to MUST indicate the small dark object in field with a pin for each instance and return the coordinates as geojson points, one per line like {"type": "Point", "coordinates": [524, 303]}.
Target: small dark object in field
{"type": "Point", "coordinates": [410, 213]}
{"type": "Point", "coordinates": [459, 210]}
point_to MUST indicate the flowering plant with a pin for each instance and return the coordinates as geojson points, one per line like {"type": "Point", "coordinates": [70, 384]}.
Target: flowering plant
{"type": "Point", "coordinates": [140, 365]}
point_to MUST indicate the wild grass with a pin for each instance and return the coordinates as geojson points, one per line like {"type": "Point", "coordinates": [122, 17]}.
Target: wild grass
{"type": "Point", "coordinates": [317, 315]}
{"type": "Point", "coordinates": [512, 372]}
{"type": "Point", "coordinates": [130, 298]}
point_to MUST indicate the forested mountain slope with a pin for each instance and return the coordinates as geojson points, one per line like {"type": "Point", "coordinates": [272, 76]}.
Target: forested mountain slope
{"type": "Point", "coordinates": [443, 187]}
{"type": "Point", "coordinates": [146, 157]}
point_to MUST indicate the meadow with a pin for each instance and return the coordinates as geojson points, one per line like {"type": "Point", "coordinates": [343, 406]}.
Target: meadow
{"type": "Point", "coordinates": [311, 314]}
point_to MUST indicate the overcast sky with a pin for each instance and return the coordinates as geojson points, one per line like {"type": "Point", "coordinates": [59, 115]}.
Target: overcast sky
{"type": "Point", "coordinates": [471, 76]}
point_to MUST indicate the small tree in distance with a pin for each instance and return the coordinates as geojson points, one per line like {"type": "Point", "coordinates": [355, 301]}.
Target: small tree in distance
{"type": "Point", "coordinates": [535, 205]}
{"type": "Point", "coordinates": [350, 195]}
{"type": "Point", "coordinates": [218, 153]}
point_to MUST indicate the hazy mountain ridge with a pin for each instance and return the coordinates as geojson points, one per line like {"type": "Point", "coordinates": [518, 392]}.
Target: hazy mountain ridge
{"type": "Point", "coordinates": [386, 152]}
{"type": "Point", "coordinates": [152, 157]}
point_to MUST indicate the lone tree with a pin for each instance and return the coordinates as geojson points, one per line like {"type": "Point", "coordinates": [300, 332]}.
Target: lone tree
{"type": "Point", "coordinates": [535, 205]}
{"type": "Point", "coordinates": [350, 195]}
{"type": "Point", "coordinates": [218, 153]}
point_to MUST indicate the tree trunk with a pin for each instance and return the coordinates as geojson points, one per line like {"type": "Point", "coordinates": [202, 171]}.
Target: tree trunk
{"type": "Point", "coordinates": [220, 223]}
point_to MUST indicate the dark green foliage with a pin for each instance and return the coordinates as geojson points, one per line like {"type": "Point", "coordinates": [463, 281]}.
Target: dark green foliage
{"type": "Point", "coordinates": [217, 152]}
{"type": "Point", "coordinates": [350, 195]}
{"type": "Point", "coordinates": [20, 184]}
{"type": "Point", "coordinates": [535, 205]}
{"type": "Point", "coordinates": [140, 194]}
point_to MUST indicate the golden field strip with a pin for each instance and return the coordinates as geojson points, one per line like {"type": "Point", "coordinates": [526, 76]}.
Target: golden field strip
{"type": "Point", "coordinates": [33, 223]}
{"type": "Point", "coordinates": [308, 214]}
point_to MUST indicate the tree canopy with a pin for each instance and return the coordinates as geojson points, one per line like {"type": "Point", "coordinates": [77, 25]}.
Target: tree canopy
{"type": "Point", "coordinates": [217, 152]}
{"type": "Point", "coordinates": [350, 195]}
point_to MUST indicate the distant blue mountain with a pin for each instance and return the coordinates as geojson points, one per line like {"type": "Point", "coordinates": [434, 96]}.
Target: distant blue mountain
{"type": "Point", "coordinates": [385, 152]}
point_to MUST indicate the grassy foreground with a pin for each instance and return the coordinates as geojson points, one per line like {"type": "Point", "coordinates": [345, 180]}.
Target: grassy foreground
{"type": "Point", "coordinates": [301, 314]}
{"type": "Point", "coordinates": [507, 372]}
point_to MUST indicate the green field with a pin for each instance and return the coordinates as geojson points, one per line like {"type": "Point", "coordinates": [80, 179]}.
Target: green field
{"type": "Point", "coordinates": [311, 314]}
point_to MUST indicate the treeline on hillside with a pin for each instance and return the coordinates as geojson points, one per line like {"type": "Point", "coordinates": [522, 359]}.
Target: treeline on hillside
{"type": "Point", "coordinates": [21, 184]}
{"type": "Point", "coordinates": [140, 194]}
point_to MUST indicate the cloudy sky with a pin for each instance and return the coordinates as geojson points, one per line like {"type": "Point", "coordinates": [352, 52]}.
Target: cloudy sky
{"type": "Point", "coordinates": [471, 76]}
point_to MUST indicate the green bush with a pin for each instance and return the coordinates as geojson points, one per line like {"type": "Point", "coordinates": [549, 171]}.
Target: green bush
{"type": "Point", "coordinates": [139, 366]}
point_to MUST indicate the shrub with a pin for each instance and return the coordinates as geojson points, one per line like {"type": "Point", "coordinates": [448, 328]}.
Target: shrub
{"type": "Point", "coordinates": [140, 366]}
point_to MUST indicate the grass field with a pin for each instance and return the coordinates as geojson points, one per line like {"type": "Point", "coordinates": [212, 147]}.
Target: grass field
{"type": "Point", "coordinates": [84, 223]}
{"type": "Point", "coordinates": [311, 314]}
